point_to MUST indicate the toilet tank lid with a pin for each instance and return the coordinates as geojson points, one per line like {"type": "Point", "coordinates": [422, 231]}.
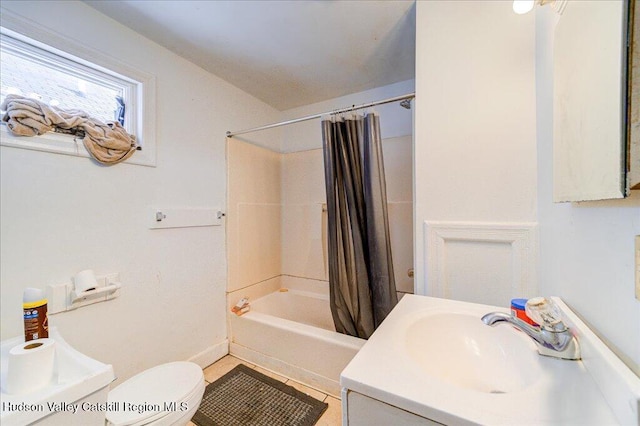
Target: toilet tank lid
{"type": "Point", "coordinates": [153, 393]}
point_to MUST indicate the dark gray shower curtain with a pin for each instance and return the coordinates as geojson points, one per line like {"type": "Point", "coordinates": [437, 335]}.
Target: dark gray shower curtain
{"type": "Point", "coordinates": [362, 285]}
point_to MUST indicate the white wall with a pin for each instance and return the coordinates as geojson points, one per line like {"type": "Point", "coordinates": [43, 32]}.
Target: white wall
{"type": "Point", "coordinates": [62, 214]}
{"type": "Point", "coordinates": [586, 249]}
{"type": "Point", "coordinates": [474, 139]}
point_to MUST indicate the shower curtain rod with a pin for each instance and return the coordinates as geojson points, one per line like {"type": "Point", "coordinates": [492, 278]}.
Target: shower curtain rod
{"type": "Point", "coordinates": [314, 116]}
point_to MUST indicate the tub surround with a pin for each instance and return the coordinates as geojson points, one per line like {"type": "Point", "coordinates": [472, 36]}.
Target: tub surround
{"type": "Point", "coordinates": [254, 215]}
{"type": "Point", "coordinates": [597, 390]}
{"type": "Point", "coordinates": [304, 225]}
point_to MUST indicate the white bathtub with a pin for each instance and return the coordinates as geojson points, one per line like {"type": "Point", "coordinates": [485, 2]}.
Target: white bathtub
{"type": "Point", "coordinates": [292, 334]}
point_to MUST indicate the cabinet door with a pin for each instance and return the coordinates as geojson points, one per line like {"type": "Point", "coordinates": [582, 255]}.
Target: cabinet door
{"type": "Point", "coordinates": [364, 411]}
{"type": "Point", "coordinates": [590, 101]}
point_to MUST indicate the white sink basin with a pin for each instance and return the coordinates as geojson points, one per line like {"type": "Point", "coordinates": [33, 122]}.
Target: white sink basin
{"type": "Point", "coordinates": [461, 350]}
{"type": "Point", "coordinates": [435, 358]}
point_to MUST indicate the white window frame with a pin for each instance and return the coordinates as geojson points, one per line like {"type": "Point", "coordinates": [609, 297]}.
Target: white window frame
{"type": "Point", "coordinates": [88, 64]}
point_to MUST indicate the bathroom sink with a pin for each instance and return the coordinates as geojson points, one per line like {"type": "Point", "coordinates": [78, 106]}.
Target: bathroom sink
{"type": "Point", "coordinates": [460, 349]}
{"type": "Point", "coordinates": [436, 359]}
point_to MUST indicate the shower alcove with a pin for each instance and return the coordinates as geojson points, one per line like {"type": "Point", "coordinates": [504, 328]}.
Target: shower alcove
{"type": "Point", "coordinates": [276, 240]}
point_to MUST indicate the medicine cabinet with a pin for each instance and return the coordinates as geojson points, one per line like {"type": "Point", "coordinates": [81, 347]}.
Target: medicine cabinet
{"type": "Point", "coordinates": [596, 148]}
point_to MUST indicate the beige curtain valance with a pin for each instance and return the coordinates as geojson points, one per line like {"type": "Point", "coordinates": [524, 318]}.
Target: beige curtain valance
{"type": "Point", "coordinates": [108, 143]}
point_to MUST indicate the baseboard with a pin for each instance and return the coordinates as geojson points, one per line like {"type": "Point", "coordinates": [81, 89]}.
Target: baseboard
{"type": "Point", "coordinates": [306, 377]}
{"type": "Point", "coordinates": [211, 354]}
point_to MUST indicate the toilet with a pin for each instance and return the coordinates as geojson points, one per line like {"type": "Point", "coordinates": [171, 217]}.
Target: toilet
{"type": "Point", "coordinates": [168, 394]}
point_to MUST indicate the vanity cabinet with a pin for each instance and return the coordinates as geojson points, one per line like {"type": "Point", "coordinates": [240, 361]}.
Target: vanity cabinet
{"type": "Point", "coordinates": [360, 410]}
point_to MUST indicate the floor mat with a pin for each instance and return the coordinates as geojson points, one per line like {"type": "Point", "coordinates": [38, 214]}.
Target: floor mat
{"type": "Point", "coordinates": [245, 397]}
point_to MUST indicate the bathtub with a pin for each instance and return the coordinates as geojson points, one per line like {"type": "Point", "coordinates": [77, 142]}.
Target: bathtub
{"type": "Point", "coordinates": [291, 333]}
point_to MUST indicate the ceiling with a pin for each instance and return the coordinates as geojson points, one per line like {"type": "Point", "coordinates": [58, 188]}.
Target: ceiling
{"type": "Point", "coordinates": [286, 53]}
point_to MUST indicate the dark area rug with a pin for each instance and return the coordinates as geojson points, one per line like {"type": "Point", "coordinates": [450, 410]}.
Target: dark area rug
{"type": "Point", "coordinates": [244, 397]}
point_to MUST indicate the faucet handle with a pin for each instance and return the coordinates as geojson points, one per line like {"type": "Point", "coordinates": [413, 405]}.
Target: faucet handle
{"type": "Point", "coordinates": [545, 312]}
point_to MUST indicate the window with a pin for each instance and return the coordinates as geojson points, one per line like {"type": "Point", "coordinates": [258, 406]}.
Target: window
{"type": "Point", "coordinates": [35, 70]}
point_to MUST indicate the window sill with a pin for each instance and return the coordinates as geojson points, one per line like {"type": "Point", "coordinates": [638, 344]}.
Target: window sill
{"type": "Point", "coordinates": [58, 143]}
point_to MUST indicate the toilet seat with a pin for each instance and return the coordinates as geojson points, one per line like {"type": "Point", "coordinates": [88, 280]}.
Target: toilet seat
{"type": "Point", "coordinates": [150, 395]}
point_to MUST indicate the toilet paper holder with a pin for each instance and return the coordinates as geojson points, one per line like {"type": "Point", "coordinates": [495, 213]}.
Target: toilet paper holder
{"type": "Point", "coordinates": [86, 287]}
{"type": "Point", "coordinates": [95, 293]}
{"type": "Point", "coordinates": [66, 297]}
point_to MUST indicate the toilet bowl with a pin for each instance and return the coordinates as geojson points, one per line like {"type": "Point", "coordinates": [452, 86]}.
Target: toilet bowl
{"type": "Point", "coordinates": [168, 394]}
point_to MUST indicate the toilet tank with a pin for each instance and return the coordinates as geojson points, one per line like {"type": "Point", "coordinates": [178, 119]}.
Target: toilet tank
{"type": "Point", "coordinates": [77, 394]}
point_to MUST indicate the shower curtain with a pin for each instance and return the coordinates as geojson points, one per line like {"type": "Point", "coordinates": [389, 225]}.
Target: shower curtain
{"type": "Point", "coordinates": [362, 285]}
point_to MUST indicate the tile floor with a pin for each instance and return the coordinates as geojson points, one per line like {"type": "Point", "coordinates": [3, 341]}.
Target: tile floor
{"type": "Point", "coordinates": [331, 417]}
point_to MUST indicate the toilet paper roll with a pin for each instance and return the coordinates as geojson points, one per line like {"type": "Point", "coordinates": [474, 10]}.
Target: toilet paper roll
{"type": "Point", "coordinates": [30, 366]}
{"type": "Point", "coordinates": [85, 281]}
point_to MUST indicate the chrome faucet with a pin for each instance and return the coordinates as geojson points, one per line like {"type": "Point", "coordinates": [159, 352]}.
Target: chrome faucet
{"type": "Point", "coordinates": [553, 338]}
